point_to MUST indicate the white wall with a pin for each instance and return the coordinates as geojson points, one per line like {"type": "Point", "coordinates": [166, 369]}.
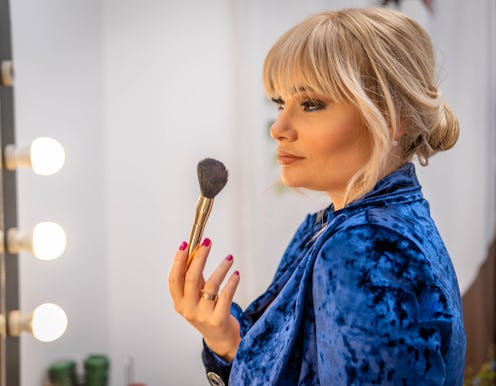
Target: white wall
{"type": "Point", "coordinates": [138, 93]}
{"type": "Point", "coordinates": [57, 54]}
{"type": "Point", "coordinates": [167, 81]}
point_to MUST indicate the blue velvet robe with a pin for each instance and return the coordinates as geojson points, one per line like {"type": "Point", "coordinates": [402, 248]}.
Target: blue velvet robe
{"type": "Point", "coordinates": [365, 295]}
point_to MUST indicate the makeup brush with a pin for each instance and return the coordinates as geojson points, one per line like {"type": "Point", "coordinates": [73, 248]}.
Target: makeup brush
{"type": "Point", "coordinates": [212, 176]}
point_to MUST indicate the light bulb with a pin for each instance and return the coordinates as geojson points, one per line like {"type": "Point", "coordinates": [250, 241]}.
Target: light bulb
{"type": "Point", "coordinates": [47, 156]}
{"type": "Point", "coordinates": [49, 322]}
{"type": "Point", "coordinates": [48, 240]}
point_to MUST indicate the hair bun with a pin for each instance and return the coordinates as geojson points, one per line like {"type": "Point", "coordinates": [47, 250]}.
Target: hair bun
{"type": "Point", "coordinates": [445, 130]}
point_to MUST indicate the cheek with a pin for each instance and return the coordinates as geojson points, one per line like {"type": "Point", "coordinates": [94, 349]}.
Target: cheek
{"type": "Point", "coordinates": [344, 139]}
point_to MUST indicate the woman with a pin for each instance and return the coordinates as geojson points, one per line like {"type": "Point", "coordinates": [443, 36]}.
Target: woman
{"type": "Point", "coordinates": [365, 293]}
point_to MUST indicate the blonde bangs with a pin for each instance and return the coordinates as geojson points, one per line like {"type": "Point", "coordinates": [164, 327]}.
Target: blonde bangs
{"type": "Point", "coordinates": [302, 61]}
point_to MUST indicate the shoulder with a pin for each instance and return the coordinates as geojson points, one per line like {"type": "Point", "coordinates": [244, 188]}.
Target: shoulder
{"type": "Point", "coordinates": [370, 231]}
{"type": "Point", "coordinates": [369, 249]}
{"type": "Point", "coordinates": [392, 228]}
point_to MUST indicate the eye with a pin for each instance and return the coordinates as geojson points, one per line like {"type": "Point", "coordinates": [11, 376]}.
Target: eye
{"type": "Point", "coordinates": [279, 103]}
{"type": "Point", "coordinates": [313, 105]}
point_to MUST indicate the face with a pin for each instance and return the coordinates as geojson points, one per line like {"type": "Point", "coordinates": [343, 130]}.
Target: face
{"type": "Point", "coordinates": [321, 143]}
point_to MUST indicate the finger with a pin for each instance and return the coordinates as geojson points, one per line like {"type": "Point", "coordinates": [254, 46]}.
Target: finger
{"type": "Point", "coordinates": [194, 280]}
{"type": "Point", "coordinates": [213, 283]}
{"type": "Point", "coordinates": [226, 296]}
{"type": "Point", "coordinates": [176, 273]}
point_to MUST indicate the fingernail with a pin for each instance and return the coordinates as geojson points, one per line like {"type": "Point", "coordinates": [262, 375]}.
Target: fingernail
{"type": "Point", "coordinates": [229, 257]}
{"type": "Point", "coordinates": [236, 273]}
{"type": "Point", "coordinates": [206, 242]}
{"type": "Point", "coordinates": [183, 246]}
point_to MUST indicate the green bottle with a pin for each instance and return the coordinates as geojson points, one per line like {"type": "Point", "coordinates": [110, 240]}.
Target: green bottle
{"type": "Point", "coordinates": [96, 370]}
{"type": "Point", "coordinates": [63, 373]}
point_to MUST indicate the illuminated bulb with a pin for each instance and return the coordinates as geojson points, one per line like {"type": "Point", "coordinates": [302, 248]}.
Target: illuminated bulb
{"type": "Point", "coordinates": [49, 322]}
{"type": "Point", "coordinates": [45, 156]}
{"type": "Point", "coordinates": [46, 240]}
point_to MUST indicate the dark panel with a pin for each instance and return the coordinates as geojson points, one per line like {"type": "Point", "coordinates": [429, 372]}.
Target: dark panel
{"type": "Point", "coordinates": [9, 352]}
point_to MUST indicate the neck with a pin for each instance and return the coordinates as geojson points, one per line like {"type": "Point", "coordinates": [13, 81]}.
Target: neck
{"type": "Point", "coordinates": [337, 200]}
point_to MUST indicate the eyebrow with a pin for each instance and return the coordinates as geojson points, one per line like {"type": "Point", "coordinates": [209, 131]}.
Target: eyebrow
{"type": "Point", "coordinates": [304, 89]}
{"type": "Point", "coordinates": [298, 90]}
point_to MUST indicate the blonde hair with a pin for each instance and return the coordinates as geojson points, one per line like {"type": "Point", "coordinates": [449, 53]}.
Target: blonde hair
{"type": "Point", "coordinates": [383, 63]}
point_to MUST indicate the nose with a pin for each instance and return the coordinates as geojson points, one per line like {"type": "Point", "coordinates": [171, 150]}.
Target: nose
{"type": "Point", "coordinates": [282, 128]}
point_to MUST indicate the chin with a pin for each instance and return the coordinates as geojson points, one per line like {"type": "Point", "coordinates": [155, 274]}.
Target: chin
{"type": "Point", "coordinates": [290, 182]}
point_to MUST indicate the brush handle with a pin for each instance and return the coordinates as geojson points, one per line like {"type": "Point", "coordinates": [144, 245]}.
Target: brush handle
{"type": "Point", "coordinates": [203, 208]}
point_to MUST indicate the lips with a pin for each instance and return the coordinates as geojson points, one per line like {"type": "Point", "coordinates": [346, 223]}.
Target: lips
{"type": "Point", "coordinates": [286, 158]}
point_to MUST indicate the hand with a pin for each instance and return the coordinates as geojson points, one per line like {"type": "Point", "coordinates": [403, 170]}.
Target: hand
{"type": "Point", "coordinates": [212, 318]}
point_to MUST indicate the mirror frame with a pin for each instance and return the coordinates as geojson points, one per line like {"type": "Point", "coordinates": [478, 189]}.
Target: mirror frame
{"type": "Point", "coordinates": [9, 269]}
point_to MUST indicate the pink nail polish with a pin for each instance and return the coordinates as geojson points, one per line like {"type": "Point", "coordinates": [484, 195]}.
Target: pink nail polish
{"type": "Point", "coordinates": [236, 273]}
{"type": "Point", "coordinates": [183, 246]}
{"type": "Point", "coordinates": [206, 242]}
{"type": "Point", "coordinates": [229, 257]}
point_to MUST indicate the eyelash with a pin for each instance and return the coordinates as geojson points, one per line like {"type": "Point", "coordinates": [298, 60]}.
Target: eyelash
{"type": "Point", "coordinates": [279, 103]}
{"type": "Point", "coordinates": [313, 105]}
{"type": "Point", "coordinates": [308, 105]}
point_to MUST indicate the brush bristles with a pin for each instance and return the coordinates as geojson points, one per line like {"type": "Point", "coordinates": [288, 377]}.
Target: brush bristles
{"type": "Point", "coordinates": [212, 176]}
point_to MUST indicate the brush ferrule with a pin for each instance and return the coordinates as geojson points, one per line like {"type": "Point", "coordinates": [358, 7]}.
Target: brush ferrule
{"type": "Point", "coordinates": [203, 208]}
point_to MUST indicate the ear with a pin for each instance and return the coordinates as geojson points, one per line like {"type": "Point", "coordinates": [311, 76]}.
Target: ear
{"type": "Point", "coordinates": [400, 132]}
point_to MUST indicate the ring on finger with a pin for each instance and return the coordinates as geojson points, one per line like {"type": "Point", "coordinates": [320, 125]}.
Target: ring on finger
{"type": "Point", "coordinates": [208, 296]}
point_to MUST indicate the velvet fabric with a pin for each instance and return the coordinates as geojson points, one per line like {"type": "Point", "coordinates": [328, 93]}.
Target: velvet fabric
{"type": "Point", "coordinates": [365, 295]}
